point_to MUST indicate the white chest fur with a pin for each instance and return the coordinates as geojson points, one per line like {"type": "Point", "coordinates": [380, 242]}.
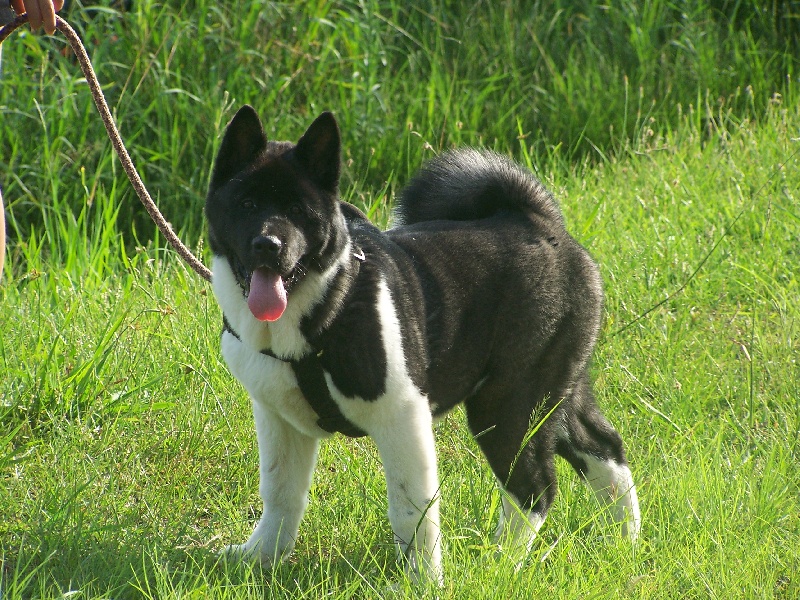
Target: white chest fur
{"type": "Point", "coordinates": [269, 381]}
{"type": "Point", "coordinates": [272, 383]}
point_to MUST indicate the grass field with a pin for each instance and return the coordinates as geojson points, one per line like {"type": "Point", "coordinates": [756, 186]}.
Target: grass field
{"type": "Point", "coordinates": [670, 137]}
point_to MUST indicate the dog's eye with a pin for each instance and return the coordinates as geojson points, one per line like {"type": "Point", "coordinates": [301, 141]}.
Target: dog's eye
{"type": "Point", "coordinates": [248, 204]}
{"type": "Point", "coordinates": [296, 210]}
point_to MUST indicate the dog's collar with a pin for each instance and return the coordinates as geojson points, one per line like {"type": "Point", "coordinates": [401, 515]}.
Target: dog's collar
{"type": "Point", "coordinates": [311, 381]}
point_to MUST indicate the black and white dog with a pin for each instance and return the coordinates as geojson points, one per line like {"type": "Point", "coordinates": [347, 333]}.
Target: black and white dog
{"type": "Point", "coordinates": [480, 296]}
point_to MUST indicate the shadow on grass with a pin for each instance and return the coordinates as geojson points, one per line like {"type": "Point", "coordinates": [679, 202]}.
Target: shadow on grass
{"type": "Point", "coordinates": [110, 568]}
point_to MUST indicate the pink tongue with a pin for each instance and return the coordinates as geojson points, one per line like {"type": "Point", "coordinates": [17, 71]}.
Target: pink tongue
{"type": "Point", "coordinates": [267, 299]}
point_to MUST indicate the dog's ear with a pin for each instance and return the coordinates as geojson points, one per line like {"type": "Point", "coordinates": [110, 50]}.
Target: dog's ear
{"type": "Point", "coordinates": [318, 151]}
{"type": "Point", "coordinates": [243, 141]}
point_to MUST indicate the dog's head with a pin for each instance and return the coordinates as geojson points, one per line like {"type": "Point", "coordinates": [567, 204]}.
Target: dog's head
{"type": "Point", "coordinates": [273, 210]}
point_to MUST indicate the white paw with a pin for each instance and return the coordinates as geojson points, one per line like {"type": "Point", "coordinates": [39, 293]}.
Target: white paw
{"type": "Point", "coordinates": [421, 572]}
{"type": "Point", "coordinates": [252, 553]}
{"type": "Point", "coordinates": [241, 553]}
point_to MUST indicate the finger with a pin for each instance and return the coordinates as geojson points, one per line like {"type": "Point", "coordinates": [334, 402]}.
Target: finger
{"type": "Point", "coordinates": [34, 14]}
{"type": "Point", "coordinates": [48, 15]}
{"type": "Point", "coordinates": [18, 6]}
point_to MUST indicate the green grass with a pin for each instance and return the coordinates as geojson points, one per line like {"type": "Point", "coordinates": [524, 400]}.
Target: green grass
{"type": "Point", "coordinates": [127, 451]}
{"type": "Point", "coordinates": [576, 79]}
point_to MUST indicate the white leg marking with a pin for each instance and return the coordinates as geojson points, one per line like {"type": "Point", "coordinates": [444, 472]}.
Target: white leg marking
{"type": "Point", "coordinates": [400, 422]}
{"type": "Point", "coordinates": [409, 461]}
{"type": "Point", "coordinates": [613, 486]}
{"type": "Point", "coordinates": [517, 527]}
{"type": "Point", "coordinates": [287, 458]}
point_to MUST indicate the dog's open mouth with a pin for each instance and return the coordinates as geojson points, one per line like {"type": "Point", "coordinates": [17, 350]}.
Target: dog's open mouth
{"type": "Point", "coordinates": [267, 291]}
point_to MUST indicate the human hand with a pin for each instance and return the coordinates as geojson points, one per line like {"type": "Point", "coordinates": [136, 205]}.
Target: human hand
{"type": "Point", "coordinates": [41, 13]}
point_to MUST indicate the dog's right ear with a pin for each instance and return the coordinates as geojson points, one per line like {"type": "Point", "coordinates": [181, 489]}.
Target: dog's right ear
{"type": "Point", "coordinates": [243, 141]}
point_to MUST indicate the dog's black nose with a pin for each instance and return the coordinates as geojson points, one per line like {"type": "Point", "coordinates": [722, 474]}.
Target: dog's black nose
{"type": "Point", "coordinates": [267, 246]}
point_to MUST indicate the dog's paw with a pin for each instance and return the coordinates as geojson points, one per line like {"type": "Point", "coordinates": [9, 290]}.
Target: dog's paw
{"type": "Point", "coordinates": [422, 574]}
{"type": "Point", "coordinates": [239, 553]}
{"type": "Point", "coordinates": [254, 553]}
{"type": "Point", "coordinates": [244, 553]}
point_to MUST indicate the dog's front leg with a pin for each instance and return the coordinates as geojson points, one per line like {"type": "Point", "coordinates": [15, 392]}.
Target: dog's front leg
{"type": "Point", "coordinates": [406, 446]}
{"type": "Point", "coordinates": [286, 464]}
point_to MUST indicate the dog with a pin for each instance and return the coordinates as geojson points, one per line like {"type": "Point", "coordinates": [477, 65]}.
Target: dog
{"type": "Point", "coordinates": [478, 297]}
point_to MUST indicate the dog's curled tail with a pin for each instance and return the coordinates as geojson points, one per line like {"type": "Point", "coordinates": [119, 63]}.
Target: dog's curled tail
{"type": "Point", "coordinates": [470, 184]}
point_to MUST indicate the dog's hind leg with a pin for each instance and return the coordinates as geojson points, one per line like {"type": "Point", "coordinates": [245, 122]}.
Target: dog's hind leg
{"type": "Point", "coordinates": [286, 464]}
{"type": "Point", "coordinates": [522, 461]}
{"type": "Point", "coordinates": [594, 449]}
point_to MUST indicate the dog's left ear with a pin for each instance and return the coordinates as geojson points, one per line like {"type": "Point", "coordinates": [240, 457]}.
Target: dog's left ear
{"type": "Point", "coordinates": [318, 151]}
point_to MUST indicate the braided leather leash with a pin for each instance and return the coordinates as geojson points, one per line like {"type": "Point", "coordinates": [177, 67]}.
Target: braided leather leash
{"type": "Point", "coordinates": [116, 140]}
{"type": "Point", "coordinates": [308, 370]}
